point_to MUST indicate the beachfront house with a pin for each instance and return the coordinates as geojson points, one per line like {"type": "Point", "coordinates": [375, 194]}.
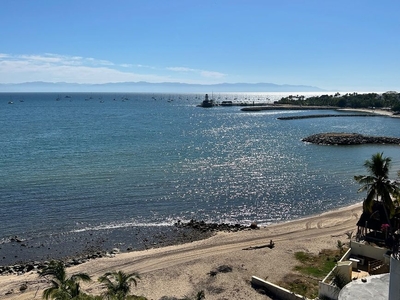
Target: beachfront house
{"type": "Point", "coordinates": [370, 268]}
{"type": "Point", "coordinates": [371, 264]}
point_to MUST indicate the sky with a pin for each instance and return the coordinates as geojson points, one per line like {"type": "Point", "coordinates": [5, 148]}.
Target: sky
{"type": "Point", "coordinates": [337, 45]}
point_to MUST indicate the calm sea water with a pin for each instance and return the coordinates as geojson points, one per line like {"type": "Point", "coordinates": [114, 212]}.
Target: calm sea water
{"type": "Point", "coordinates": [98, 161]}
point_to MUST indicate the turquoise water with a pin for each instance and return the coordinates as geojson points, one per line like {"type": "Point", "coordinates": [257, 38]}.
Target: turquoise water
{"type": "Point", "coordinates": [98, 161]}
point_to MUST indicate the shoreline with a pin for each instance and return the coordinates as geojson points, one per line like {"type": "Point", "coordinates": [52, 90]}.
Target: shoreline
{"type": "Point", "coordinates": [76, 248]}
{"type": "Point", "coordinates": [375, 111]}
{"type": "Point", "coordinates": [381, 112]}
{"type": "Point", "coordinates": [180, 270]}
{"type": "Point", "coordinates": [93, 244]}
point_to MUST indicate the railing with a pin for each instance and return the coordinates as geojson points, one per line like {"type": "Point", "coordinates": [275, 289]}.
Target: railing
{"type": "Point", "coordinates": [374, 265]}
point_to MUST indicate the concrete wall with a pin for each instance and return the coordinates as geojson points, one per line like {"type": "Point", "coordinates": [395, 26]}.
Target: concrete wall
{"type": "Point", "coordinates": [327, 290]}
{"type": "Point", "coordinates": [276, 290]}
{"type": "Point", "coordinates": [394, 287]}
{"type": "Point", "coordinates": [344, 269]}
{"type": "Point", "coordinates": [367, 250]}
{"type": "Point", "coordinates": [346, 255]}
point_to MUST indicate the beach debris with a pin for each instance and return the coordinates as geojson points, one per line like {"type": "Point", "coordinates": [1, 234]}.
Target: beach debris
{"type": "Point", "coordinates": [224, 269]}
{"type": "Point", "coordinates": [220, 269]}
{"type": "Point", "coordinates": [270, 245]}
{"type": "Point", "coordinates": [23, 287]}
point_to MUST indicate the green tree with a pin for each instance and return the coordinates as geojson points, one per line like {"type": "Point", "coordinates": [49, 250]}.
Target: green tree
{"type": "Point", "coordinates": [377, 184]}
{"type": "Point", "coordinates": [63, 287]}
{"type": "Point", "coordinates": [118, 284]}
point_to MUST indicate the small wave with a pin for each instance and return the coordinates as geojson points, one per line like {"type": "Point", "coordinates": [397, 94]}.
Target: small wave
{"type": "Point", "coordinates": [4, 241]}
{"type": "Point", "coordinates": [122, 225]}
{"type": "Point", "coordinates": [11, 239]}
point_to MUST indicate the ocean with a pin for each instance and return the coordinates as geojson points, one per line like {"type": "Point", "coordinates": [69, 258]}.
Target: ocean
{"type": "Point", "coordinates": [76, 162]}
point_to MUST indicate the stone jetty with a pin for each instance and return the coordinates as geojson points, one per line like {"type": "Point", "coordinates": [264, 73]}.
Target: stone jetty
{"type": "Point", "coordinates": [349, 139]}
{"type": "Point", "coordinates": [326, 116]}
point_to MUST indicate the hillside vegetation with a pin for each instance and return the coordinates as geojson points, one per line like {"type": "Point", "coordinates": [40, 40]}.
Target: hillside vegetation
{"type": "Point", "coordinates": [388, 100]}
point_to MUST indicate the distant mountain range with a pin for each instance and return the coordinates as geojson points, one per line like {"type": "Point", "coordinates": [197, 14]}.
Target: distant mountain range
{"type": "Point", "coordinates": [164, 87]}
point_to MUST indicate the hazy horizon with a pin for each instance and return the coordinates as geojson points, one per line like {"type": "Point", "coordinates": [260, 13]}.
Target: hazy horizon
{"type": "Point", "coordinates": [154, 87]}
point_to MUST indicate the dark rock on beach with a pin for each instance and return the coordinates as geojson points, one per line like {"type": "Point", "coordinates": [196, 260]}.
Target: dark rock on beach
{"type": "Point", "coordinates": [349, 139]}
{"type": "Point", "coordinates": [214, 227]}
{"type": "Point", "coordinates": [78, 248]}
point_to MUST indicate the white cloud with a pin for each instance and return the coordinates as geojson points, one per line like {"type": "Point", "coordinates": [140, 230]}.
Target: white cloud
{"type": "Point", "coordinates": [181, 69]}
{"type": "Point", "coordinates": [202, 73]}
{"type": "Point", "coordinates": [66, 60]}
{"type": "Point", "coordinates": [144, 66]}
{"type": "Point", "coordinates": [210, 74]}
{"type": "Point", "coordinates": [52, 67]}
{"type": "Point", "coordinates": [24, 72]}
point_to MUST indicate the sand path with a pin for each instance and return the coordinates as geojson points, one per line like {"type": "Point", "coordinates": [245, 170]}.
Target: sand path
{"type": "Point", "coordinates": [184, 269]}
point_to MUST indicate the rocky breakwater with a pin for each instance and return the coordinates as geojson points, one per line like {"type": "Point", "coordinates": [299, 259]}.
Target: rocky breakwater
{"type": "Point", "coordinates": [349, 139]}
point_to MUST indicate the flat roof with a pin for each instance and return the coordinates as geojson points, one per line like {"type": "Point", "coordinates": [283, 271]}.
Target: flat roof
{"type": "Point", "coordinates": [372, 287]}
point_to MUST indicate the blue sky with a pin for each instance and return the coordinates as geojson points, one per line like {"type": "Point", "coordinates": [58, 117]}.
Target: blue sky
{"type": "Point", "coordinates": [345, 45]}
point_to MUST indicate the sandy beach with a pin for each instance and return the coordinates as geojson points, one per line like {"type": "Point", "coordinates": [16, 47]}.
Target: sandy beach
{"type": "Point", "coordinates": [183, 270]}
{"type": "Point", "coordinates": [372, 111]}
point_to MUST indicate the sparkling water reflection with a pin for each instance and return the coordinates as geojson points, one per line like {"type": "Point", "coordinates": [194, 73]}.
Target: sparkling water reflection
{"type": "Point", "coordinates": [77, 164]}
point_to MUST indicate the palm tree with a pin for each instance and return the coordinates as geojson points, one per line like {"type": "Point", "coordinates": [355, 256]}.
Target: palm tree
{"type": "Point", "coordinates": [118, 284]}
{"type": "Point", "coordinates": [377, 184]}
{"type": "Point", "coordinates": [62, 287]}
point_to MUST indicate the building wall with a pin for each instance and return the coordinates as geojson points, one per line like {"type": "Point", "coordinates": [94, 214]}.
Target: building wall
{"type": "Point", "coordinates": [276, 290]}
{"type": "Point", "coordinates": [375, 252]}
{"type": "Point", "coordinates": [394, 286]}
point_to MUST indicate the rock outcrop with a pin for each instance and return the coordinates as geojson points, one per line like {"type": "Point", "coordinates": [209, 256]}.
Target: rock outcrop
{"type": "Point", "coordinates": [214, 227]}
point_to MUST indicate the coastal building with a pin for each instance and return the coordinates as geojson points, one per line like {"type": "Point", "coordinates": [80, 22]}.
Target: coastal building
{"type": "Point", "coordinates": [370, 269]}
{"type": "Point", "coordinates": [363, 264]}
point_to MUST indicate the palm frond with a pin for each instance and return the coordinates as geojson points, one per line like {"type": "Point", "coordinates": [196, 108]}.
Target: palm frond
{"type": "Point", "coordinates": [118, 283]}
